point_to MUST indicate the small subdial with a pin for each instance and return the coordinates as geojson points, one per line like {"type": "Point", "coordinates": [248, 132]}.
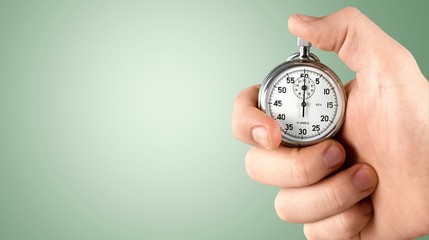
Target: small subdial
{"type": "Point", "coordinates": [304, 85]}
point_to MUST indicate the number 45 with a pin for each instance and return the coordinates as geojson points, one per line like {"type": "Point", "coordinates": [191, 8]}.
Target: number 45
{"type": "Point", "coordinates": [278, 103]}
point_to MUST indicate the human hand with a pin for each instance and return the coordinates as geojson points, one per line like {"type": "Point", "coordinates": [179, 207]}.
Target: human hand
{"type": "Point", "coordinates": [332, 204]}
{"type": "Point", "coordinates": [386, 122]}
{"type": "Point", "coordinates": [386, 126]}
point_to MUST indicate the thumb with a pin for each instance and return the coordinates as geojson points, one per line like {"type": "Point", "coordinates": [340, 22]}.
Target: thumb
{"type": "Point", "coordinates": [358, 41]}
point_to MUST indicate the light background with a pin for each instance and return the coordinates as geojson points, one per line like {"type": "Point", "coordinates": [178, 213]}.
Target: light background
{"type": "Point", "coordinates": [115, 116]}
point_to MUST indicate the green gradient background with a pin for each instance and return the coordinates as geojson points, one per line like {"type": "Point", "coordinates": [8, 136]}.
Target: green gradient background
{"type": "Point", "coordinates": [115, 116]}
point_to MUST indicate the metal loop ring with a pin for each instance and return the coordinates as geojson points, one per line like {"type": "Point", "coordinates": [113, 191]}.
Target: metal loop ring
{"type": "Point", "coordinates": [297, 56]}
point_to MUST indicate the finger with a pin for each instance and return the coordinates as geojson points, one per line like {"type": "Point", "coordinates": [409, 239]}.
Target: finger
{"type": "Point", "coordinates": [294, 167]}
{"type": "Point", "coordinates": [327, 197]}
{"type": "Point", "coordinates": [358, 41]}
{"type": "Point", "coordinates": [344, 225]}
{"type": "Point", "coordinates": [251, 125]}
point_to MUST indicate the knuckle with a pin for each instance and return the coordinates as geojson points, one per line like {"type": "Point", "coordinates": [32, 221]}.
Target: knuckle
{"type": "Point", "coordinates": [243, 94]}
{"type": "Point", "coordinates": [257, 167]}
{"type": "Point", "coordinates": [347, 223]}
{"type": "Point", "coordinates": [351, 11]}
{"type": "Point", "coordinates": [332, 199]}
{"type": "Point", "coordinates": [248, 159]}
{"type": "Point", "coordinates": [279, 206]}
{"type": "Point", "coordinates": [310, 233]}
{"type": "Point", "coordinates": [341, 226]}
{"type": "Point", "coordinates": [301, 173]}
{"type": "Point", "coordinates": [303, 168]}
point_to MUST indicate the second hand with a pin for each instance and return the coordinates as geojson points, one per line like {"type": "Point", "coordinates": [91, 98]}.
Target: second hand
{"type": "Point", "coordinates": [303, 104]}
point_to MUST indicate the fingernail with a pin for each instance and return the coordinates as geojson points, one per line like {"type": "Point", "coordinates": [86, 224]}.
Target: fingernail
{"type": "Point", "coordinates": [260, 135]}
{"type": "Point", "coordinates": [332, 157]}
{"type": "Point", "coordinates": [363, 179]}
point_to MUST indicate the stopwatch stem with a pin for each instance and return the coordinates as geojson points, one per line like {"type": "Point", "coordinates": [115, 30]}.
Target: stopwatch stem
{"type": "Point", "coordinates": [304, 48]}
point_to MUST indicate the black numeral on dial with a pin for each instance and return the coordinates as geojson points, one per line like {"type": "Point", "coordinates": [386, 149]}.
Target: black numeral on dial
{"type": "Point", "coordinates": [326, 91]}
{"type": "Point", "coordinates": [324, 118]}
{"type": "Point", "coordinates": [281, 89]}
{"type": "Point", "coordinates": [281, 117]}
{"type": "Point", "coordinates": [316, 128]}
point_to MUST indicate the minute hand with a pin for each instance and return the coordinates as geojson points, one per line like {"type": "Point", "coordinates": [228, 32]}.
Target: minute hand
{"type": "Point", "coordinates": [303, 98]}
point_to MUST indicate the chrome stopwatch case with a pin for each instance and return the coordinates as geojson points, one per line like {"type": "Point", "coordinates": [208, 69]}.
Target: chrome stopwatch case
{"type": "Point", "coordinates": [305, 98]}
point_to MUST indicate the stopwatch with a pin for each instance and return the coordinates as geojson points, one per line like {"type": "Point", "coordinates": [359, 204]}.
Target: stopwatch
{"type": "Point", "coordinates": [305, 97]}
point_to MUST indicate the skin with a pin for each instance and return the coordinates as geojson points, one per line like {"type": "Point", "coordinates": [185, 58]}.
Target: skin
{"type": "Point", "coordinates": [381, 190]}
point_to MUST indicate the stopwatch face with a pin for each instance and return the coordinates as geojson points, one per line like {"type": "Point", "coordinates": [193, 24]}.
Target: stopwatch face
{"type": "Point", "coordinates": [306, 99]}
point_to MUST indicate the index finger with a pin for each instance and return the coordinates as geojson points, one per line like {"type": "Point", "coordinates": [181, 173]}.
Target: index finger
{"type": "Point", "coordinates": [252, 126]}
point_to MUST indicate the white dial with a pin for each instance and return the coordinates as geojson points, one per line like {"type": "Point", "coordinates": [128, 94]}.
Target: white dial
{"type": "Point", "coordinates": [306, 99]}
{"type": "Point", "coordinates": [309, 108]}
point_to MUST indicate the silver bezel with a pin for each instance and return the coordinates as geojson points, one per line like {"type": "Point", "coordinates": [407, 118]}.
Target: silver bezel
{"type": "Point", "coordinates": [269, 81]}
